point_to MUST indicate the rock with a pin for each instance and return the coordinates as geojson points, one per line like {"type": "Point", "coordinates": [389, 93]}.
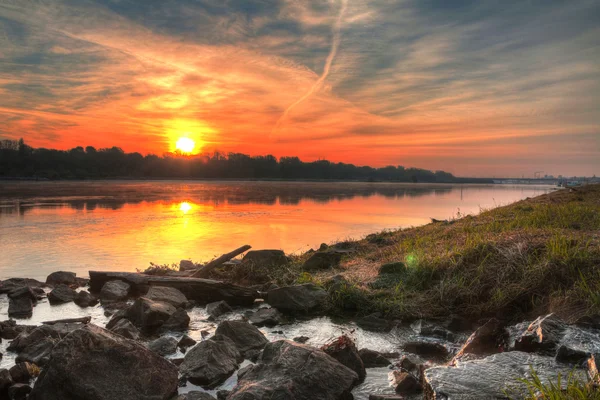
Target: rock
{"type": "Point", "coordinates": [577, 345]}
{"type": "Point", "coordinates": [336, 283]}
{"type": "Point", "coordinates": [408, 365]}
{"type": "Point", "coordinates": [61, 294]}
{"type": "Point", "coordinates": [39, 352]}
{"type": "Point", "coordinates": [218, 308]}
{"type": "Point", "coordinates": [178, 321]}
{"type": "Point", "coordinates": [118, 316]}
{"type": "Point", "coordinates": [405, 382]}
{"type": "Point", "coordinates": [61, 277]}
{"type": "Point", "coordinates": [82, 282]}
{"type": "Point", "coordinates": [211, 361]}
{"type": "Point", "coordinates": [186, 265]}
{"type": "Point", "coordinates": [10, 330]}
{"type": "Point", "coordinates": [23, 372]}
{"type": "Point", "coordinates": [543, 335]}
{"type": "Point", "coordinates": [301, 339]}
{"type": "Point", "coordinates": [113, 291]}
{"type": "Point", "coordinates": [21, 307]}
{"type": "Point", "coordinates": [373, 359]}
{"type": "Point", "coordinates": [95, 364]}
{"type": "Point", "coordinates": [196, 395]}
{"type": "Point", "coordinates": [266, 317]}
{"type": "Point", "coordinates": [344, 350]}
{"type": "Point", "coordinates": [385, 397]}
{"type": "Point", "coordinates": [266, 258]}
{"type": "Point", "coordinates": [433, 350]}
{"type": "Point", "coordinates": [374, 323]}
{"type": "Point", "coordinates": [148, 315]}
{"type": "Point", "coordinates": [289, 370]}
{"type": "Point", "coordinates": [164, 345]}
{"type": "Point", "coordinates": [125, 328]}
{"type": "Point", "coordinates": [245, 336]}
{"type": "Point", "coordinates": [223, 394]}
{"type": "Point", "coordinates": [24, 291]}
{"type": "Point", "coordinates": [490, 338]}
{"type": "Point", "coordinates": [392, 268]}
{"type": "Point", "coordinates": [322, 260]}
{"type": "Point", "coordinates": [8, 285]}
{"type": "Point", "coordinates": [167, 295]}
{"type": "Point", "coordinates": [186, 342]}
{"type": "Point", "coordinates": [5, 382]}
{"type": "Point", "coordinates": [298, 298]}
{"type": "Point", "coordinates": [85, 299]}
{"type": "Point", "coordinates": [35, 346]}
{"type": "Point", "coordinates": [488, 378]}
{"type": "Point", "coordinates": [425, 328]}
{"type": "Point", "coordinates": [19, 391]}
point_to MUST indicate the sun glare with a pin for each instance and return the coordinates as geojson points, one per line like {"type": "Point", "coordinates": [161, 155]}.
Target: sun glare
{"type": "Point", "coordinates": [185, 144]}
{"type": "Point", "coordinates": [185, 207]}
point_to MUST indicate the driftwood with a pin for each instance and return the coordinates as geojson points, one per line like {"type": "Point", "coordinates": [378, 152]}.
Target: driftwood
{"type": "Point", "coordinates": [209, 267]}
{"type": "Point", "coordinates": [83, 320]}
{"type": "Point", "coordinates": [200, 290]}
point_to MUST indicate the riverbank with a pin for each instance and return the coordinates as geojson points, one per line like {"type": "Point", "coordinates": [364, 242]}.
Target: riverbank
{"type": "Point", "coordinates": [532, 257]}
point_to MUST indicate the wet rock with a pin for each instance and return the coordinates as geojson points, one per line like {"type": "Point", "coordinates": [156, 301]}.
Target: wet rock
{"type": "Point", "coordinates": [194, 395]}
{"type": "Point", "coordinates": [82, 282]}
{"type": "Point", "coordinates": [426, 328]}
{"type": "Point", "coordinates": [373, 359]}
{"type": "Point", "coordinates": [289, 370]}
{"type": "Point", "coordinates": [20, 307]}
{"type": "Point", "coordinates": [35, 346]}
{"type": "Point", "coordinates": [19, 391]}
{"type": "Point", "coordinates": [322, 260]}
{"type": "Point", "coordinates": [267, 258]}
{"type": "Point", "coordinates": [266, 317]}
{"type": "Point", "coordinates": [577, 345]}
{"type": "Point", "coordinates": [23, 372]}
{"type": "Point", "coordinates": [218, 308]}
{"type": "Point", "coordinates": [211, 361]}
{"type": "Point", "coordinates": [25, 291]}
{"type": "Point", "coordinates": [9, 285]}
{"type": "Point", "coordinates": [299, 298]}
{"type": "Point", "coordinates": [543, 335]}
{"type": "Point", "coordinates": [408, 365]}
{"type": "Point", "coordinates": [392, 268]}
{"type": "Point", "coordinates": [164, 345]}
{"type": "Point", "coordinates": [10, 330]}
{"type": "Point", "coordinates": [114, 291]}
{"type": "Point", "coordinates": [301, 339]}
{"type": "Point", "coordinates": [374, 323]}
{"type": "Point", "coordinates": [186, 265]}
{"type": "Point", "coordinates": [186, 342]}
{"type": "Point", "coordinates": [178, 321]}
{"type": "Point", "coordinates": [128, 369]}
{"type": "Point", "coordinates": [85, 299]}
{"type": "Point", "coordinates": [490, 338]}
{"type": "Point", "coordinates": [488, 378]}
{"type": "Point", "coordinates": [5, 382]}
{"type": "Point", "coordinates": [61, 294]}
{"type": "Point", "coordinates": [223, 394]}
{"type": "Point", "coordinates": [149, 315]}
{"type": "Point", "coordinates": [385, 397]}
{"type": "Point", "coordinates": [39, 352]}
{"type": "Point", "coordinates": [405, 382]}
{"type": "Point", "coordinates": [245, 336]}
{"type": "Point", "coordinates": [344, 350]}
{"type": "Point", "coordinates": [61, 277]}
{"type": "Point", "coordinates": [571, 356]}
{"type": "Point", "coordinates": [118, 316]}
{"type": "Point", "coordinates": [432, 350]}
{"type": "Point", "coordinates": [167, 295]}
{"type": "Point", "coordinates": [125, 328]}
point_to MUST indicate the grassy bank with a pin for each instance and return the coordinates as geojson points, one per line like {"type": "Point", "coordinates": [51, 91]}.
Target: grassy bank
{"type": "Point", "coordinates": [524, 259]}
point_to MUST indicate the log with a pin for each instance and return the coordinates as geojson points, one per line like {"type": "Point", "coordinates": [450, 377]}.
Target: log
{"type": "Point", "coordinates": [209, 267]}
{"type": "Point", "coordinates": [197, 289]}
{"type": "Point", "coordinates": [83, 320]}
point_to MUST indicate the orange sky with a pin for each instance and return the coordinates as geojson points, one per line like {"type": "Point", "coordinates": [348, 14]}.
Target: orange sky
{"type": "Point", "coordinates": [475, 89]}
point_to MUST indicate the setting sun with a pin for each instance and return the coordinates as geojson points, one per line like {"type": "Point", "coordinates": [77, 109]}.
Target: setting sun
{"type": "Point", "coordinates": [185, 145]}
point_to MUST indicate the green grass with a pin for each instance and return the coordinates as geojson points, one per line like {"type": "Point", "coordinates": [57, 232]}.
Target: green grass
{"type": "Point", "coordinates": [571, 389]}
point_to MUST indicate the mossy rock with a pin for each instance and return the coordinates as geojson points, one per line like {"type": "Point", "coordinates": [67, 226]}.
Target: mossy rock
{"type": "Point", "coordinates": [392, 268]}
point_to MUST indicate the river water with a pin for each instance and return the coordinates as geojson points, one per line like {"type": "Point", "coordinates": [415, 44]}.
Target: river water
{"type": "Point", "coordinates": [125, 225]}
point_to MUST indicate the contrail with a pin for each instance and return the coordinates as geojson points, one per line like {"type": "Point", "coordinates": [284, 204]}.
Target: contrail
{"type": "Point", "coordinates": [334, 47]}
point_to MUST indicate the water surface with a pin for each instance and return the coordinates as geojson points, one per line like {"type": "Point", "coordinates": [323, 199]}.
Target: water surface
{"type": "Point", "coordinates": [124, 225]}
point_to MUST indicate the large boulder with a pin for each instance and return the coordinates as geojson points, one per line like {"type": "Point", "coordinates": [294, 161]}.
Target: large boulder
{"type": "Point", "coordinates": [35, 345]}
{"type": "Point", "coordinates": [344, 350]}
{"type": "Point", "coordinates": [149, 315]}
{"type": "Point", "coordinates": [429, 350]}
{"type": "Point", "coordinates": [125, 328]}
{"type": "Point", "coordinates": [178, 321]}
{"type": "Point", "coordinates": [373, 359]}
{"type": "Point", "coordinates": [39, 352]}
{"type": "Point", "coordinates": [289, 370]}
{"type": "Point", "coordinates": [218, 308]}
{"type": "Point", "coordinates": [20, 307]}
{"type": "Point", "coordinates": [9, 329]}
{"type": "Point", "coordinates": [211, 361]}
{"type": "Point", "coordinates": [113, 291]}
{"type": "Point", "coordinates": [490, 377]}
{"type": "Point", "coordinates": [9, 285]}
{"type": "Point", "coordinates": [85, 299]}
{"type": "Point", "coordinates": [94, 364]}
{"type": "Point", "coordinates": [166, 294]}
{"type": "Point", "coordinates": [266, 317]}
{"type": "Point", "coordinates": [267, 258]}
{"type": "Point", "coordinates": [543, 335]}
{"type": "Point", "coordinates": [374, 323]}
{"type": "Point", "coordinates": [490, 338]}
{"type": "Point", "coordinates": [322, 260]}
{"type": "Point", "coordinates": [164, 345]}
{"type": "Point", "coordinates": [245, 336]}
{"type": "Point", "coordinates": [61, 294]}
{"type": "Point", "coordinates": [23, 372]}
{"type": "Point", "coordinates": [298, 298]}
{"type": "Point", "coordinates": [61, 277]}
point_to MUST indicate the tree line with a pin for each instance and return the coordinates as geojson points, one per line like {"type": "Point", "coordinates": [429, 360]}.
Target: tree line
{"type": "Point", "coordinates": [18, 160]}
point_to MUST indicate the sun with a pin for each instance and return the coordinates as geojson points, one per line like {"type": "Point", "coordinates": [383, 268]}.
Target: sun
{"type": "Point", "coordinates": [185, 145]}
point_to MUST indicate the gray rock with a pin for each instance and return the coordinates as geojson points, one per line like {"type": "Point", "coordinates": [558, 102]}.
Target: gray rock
{"type": "Point", "coordinates": [20, 307]}
{"type": "Point", "coordinates": [85, 299]}
{"type": "Point", "coordinates": [195, 395]}
{"type": "Point", "coordinates": [125, 328]}
{"type": "Point", "coordinates": [543, 335]}
{"type": "Point", "coordinates": [23, 372]}
{"type": "Point", "coordinates": [35, 346]}
{"type": "Point", "coordinates": [61, 294]}
{"type": "Point", "coordinates": [164, 345]}
{"type": "Point", "coordinates": [38, 353]}
{"type": "Point", "coordinates": [211, 361]}
{"type": "Point", "coordinates": [5, 382]}
{"type": "Point", "coordinates": [218, 308]}
{"type": "Point", "coordinates": [94, 364]}
{"type": "Point", "coordinates": [10, 330]}
{"type": "Point", "coordinates": [178, 321]}
{"type": "Point", "coordinates": [149, 315]}
{"type": "Point", "coordinates": [374, 323]}
{"type": "Point", "coordinates": [301, 339]}
{"type": "Point", "coordinates": [186, 342]}
{"type": "Point", "coordinates": [266, 258]}
{"type": "Point", "coordinates": [405, 382]}
{"type": "Point", "coordinates": [61, 277]}
{"type": "Point", "coordinates": [322, 260]}
{"type": "Point", "coordinates": [8, 285]}
{"type": "Point", "coordinates": [344, 350]}
{"type": "Point", "coordinates": [266, 317]}
{"type": "Point", "coordinates": [428, 350]}
{"type": "Point", "coordinates": [490, 377]}
{"type": "Point", "coordinates": [19, 391]}
{"type": "Point", "coordinates": [490, 338]}
{"type": "Point", "coordinates": [223, 394]}
{"type": "Point", "coordinates": [298, 298]}
{"type": "Point", "coordinates": [245, 336]}
{"type": "Point", "coordinates": [373, 359]}
{"type": "Point", "coordinates": [114, 291]}
{"type": "Point", "coordinates": [385, 397]}
{"type": "Point", "coordinates": [289, 370]}
{"type": "Point", "coordinates": [167, 295]}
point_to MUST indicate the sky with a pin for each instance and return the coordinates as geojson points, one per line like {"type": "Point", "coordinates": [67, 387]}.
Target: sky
{"type": "Point", "coordinates": [476, 88]}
